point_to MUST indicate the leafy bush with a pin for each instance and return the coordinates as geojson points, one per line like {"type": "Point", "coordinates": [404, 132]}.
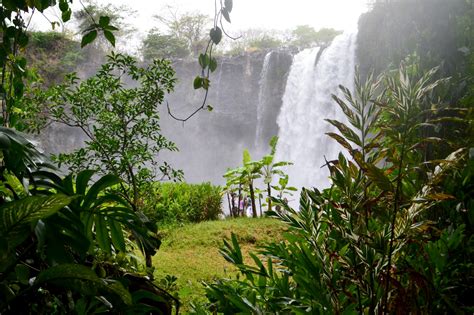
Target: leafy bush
{"type": "Point", "coordinates": [182, 202]}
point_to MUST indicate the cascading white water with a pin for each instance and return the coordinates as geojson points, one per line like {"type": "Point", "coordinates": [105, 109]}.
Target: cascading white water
{"type": "Point", "coordinates": [307, 102]}
{"type": "Point", "coordinates": [263, 83]}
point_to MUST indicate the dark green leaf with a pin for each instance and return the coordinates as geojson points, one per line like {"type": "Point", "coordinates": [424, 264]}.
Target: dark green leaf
{"type": "Point", "coordinates": [116, 233]}
{"type": "Point", "coordinates": [88, 38]}
{"type": "Point", "coordinates": [104, 21]}
{"type": "Point", "coordinates": [110, 37]}
{"type": "Point", "coordinates": [102, 233]}
{"type": "Point", "coordinates": [213, 64]}
{"type": "Point", "coordinates": [197, 82]}
{"type": "Point", "coordinates": [63, 6]}
{"type": "Point", "coordinates": [66, 15]}
{"type": "Point", "coordinates": [216, 35]}
{"type": "Point", "coordinates": [16, 216]}
{"type": "Point", "coordinates": [203, 60]}
{"type": "Point", "coordinates": [103, 183]}
{"type": "Point", "coordinates": [67, 272]}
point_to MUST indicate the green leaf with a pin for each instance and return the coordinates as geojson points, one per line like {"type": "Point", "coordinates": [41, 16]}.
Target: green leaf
{"type": "Point", "coordinates": [81, 181]}
{"type": "Point", "coordinates": [63, 6]}
{"type": "Point", "coordinates": [110, 37]}
{"type": "Point", "coordinates": [197, 83]}
{"type": "Point", "coordinates": [216, 35]}
{"type": "Point", "coordinates": [102, 234]}
{"type": "Point", "coordinates": [88, 38]}
{"type": "Point", "coordinates": [66, 15]}
{"type": "Point", "coordinates": [116, 233]}
{"type": "Point", "coordinates": [225, 14]}
{"type": "Point", "coordinates": [104, 21]}
{"type": "Point", "coordinates": [209, 108]}
{"type": "Point", "coordinates": [103, 183]}
{"type": "Point", "coordinates": [205, 83]}
{"type": "Point", "coordinates": [64, 273]}
{"type": "Point", "coordinates": [347, 132]}
{"type": "Point", "coordinates": [213, 64]}
{"type": "Point", "coordinates": [341, 140]}
{"type": "Point", "coordinates": [246, 157]}
{"type": "Point", "coordinates": [203, 60]}
{"type": "Point", "coordinates": [16, 217]}
{"type": "Point", "coordinates": [378, 177]}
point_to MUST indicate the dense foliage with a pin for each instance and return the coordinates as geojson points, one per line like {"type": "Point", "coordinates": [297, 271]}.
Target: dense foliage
{"type": "Point", "coordinates": [64, 240]}
{"type": "Point", "coordinates": [170, 203]}
{"type": "Point", "coordinates": [391, 235]}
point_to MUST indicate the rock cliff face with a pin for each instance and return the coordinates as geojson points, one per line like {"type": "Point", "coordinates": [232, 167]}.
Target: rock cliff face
{"type": "Point", "coordinates": [210, 142]}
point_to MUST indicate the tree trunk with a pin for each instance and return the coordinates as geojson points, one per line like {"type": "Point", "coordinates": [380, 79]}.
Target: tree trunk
{"type": "Point", "coordinates": [230, 205]}
{"type": "Point", "coordinates": [252, 198]}
{"type": "Point", "coordinates": [260, 204]}
{"type": "Point", "coordinates": [269, 192]}
{"type": "Point", "coordinates": [240, 198]}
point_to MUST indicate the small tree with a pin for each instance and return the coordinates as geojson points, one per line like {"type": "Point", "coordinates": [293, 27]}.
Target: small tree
{"type": "Point", "coordinates": [190, 27]}
{"type": "Point", "coordinates": [269, 168]}
{"type": "Point", "coordinates": [305, 36]}
{"type": "Point", "coordinates": [243, 177]}
{"type": "Point", "coordinates": [121, 124]}
{"type": "Point", "coordinates": [157, 45]}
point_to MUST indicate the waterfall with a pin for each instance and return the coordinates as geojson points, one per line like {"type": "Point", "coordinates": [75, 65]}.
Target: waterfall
{"type": "Point", "coordinates": [262, 93]}
{"type": "Point", "coordinates": [313, 77]}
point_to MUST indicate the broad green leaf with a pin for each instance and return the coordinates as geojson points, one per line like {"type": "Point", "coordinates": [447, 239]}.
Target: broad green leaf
{"type": "Point", "coordinates": [102, 233]}
{"type": "Point", "coordinates": [116, 233]}
{"type": "Point", "coordinates": [88, 38]}
{"type": "Point", "coordinates": [63, 5]}
{"type": "Point", "coordinates": [99, 186]}
{"type": "Point", "coordinates": [60, 274]}
{"type": "Point", "coordinates": [82, 180]}
{"type": "Point", "coordinates": [17, 216]}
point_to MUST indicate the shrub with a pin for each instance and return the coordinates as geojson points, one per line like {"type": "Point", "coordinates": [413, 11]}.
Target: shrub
{"type": "Point", "coordinates": [182, 202]}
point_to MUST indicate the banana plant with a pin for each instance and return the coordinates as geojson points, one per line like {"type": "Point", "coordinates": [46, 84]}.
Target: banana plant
{"type": "Point", "coordinates": [270, 168]}
{"type": "Point", "coordinates": [244, 177]}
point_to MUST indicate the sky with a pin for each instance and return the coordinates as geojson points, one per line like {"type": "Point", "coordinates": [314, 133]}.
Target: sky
{"type": "Point", "coordinates": [266, 14]}
{"type": "Point", "coordinates": [246, 14]}
{"type": "Point", "coordinates": [263, 14]}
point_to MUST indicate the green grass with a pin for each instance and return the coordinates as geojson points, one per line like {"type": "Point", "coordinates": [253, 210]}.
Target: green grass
{"type": "Point", "coordinates": [191, 252]}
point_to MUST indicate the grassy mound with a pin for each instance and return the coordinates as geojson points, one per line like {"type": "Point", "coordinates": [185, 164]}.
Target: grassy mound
{"type": "Point", "coordinates": [191, 252]}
